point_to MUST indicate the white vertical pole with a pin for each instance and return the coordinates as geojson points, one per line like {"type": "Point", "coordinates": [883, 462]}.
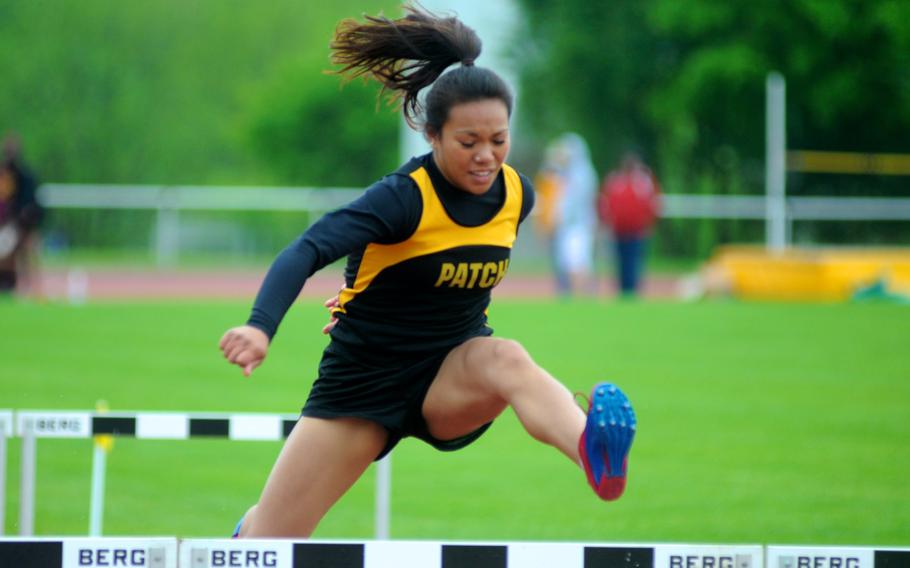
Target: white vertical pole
{"type": "Point", "coordinates": [167, 240]}
{"type": "Point", "coordinates": [383, 497]}
{"type": "Point", "coordinates": [27, 480]}
{"type": "Point", "coordinates": [103, 444]}
{"type": "Point", "coordinates": [96, 510]}
{"type": "Point", "coordinates": [3, 430]}
{"type": "Point", "coordinates": [775, 163]}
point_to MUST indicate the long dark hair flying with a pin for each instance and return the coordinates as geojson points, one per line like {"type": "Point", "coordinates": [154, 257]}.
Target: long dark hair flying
{"type": "Point", "coordinates": [411, 53]}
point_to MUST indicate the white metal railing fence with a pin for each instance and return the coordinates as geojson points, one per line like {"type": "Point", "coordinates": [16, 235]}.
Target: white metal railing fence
{"type": "Point", "coordinates": [778, 210]}
{"type": "Point", "coordinates": [795, 208]}
{"type": "Point", "coordinates": [168, 201]}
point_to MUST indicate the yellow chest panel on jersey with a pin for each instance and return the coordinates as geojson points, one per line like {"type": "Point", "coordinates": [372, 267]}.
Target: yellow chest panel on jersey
{"type": "Point", "coordinates": [437, 232]}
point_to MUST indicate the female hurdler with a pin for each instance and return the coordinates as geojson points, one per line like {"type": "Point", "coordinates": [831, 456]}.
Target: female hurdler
{"type": "Point", "coordinates": [410, 352]}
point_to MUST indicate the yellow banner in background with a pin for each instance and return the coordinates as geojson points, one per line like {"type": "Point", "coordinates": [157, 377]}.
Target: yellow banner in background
{"type": "Point", "coordinates": [811, 161]}
{"type": "Point", "coordinates": [809, 274]}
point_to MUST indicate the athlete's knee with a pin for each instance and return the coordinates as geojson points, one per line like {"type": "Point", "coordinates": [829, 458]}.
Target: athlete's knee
{"type": "Point", "coordinates": [501, 362]}
{"type": "Point", "coordinates": [511, 354]}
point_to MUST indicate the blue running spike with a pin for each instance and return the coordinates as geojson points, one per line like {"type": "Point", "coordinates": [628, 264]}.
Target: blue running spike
{"type": "Point", "coordinates": [604, 449]}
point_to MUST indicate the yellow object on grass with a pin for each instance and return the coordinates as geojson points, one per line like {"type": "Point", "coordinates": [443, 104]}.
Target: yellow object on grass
{"type": "Point", "coordinates": [103, 441]}
{"type": "Point", "coordinates": [833, 274]}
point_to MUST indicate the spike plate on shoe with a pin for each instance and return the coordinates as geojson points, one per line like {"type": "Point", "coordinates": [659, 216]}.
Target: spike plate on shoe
{"type": "Point", "coordinates": [605, 443]}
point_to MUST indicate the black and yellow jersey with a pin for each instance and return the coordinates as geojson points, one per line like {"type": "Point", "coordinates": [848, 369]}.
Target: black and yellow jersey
{"type": "Point", "coordinates": [423, 257]}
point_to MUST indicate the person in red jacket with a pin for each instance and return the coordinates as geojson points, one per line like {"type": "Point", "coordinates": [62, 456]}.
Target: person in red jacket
{"type": "Point", "coordinates": [629, 204]}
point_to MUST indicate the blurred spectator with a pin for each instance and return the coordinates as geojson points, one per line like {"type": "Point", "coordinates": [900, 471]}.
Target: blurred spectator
{"type": "Point", "coordinates": [629, 204]}
{"type": "Point", "coordinates": [548, 188]}
{"type": "Point", "coordinates": [20, 218]}
{"type": "Point", "coordinates": [567, 188]}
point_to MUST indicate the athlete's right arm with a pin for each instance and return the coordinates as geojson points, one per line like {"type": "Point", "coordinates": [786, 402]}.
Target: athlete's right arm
{"type": "Point", "coordinates": [388, 211]}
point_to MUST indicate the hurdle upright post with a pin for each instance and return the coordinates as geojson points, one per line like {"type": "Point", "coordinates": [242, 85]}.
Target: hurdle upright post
{"type": "Point", "coordinates": [96, 507]}
{"type": "Point", "coordinates": [4, 428]}
{"type": "Point", "coordinates": [383, 515]}
{"type": "Point", "coordinates": [102, 445]}
{"type": "Point", "coordinates": [27, 478]}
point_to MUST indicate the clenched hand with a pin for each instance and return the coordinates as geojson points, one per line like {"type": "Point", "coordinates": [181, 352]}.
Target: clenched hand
{"type": "Point", "coordinates": [245, 346]}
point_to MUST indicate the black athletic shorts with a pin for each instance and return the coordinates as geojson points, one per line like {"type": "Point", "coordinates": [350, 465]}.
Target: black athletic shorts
{"type": "Point", "coordinates": [388, 391]}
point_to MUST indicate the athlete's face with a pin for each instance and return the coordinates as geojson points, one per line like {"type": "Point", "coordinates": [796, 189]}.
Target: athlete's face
{"type": "Point", "coordinates": [473, 144]}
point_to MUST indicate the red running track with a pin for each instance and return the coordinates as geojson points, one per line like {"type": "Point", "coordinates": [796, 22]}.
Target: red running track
{"type": "Point", "coordinates": [104, 283]}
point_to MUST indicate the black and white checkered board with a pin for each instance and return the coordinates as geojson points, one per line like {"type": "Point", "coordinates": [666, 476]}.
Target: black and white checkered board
{"type": "Point", "coordinates": [226, 553]}
{"type": "Point", "coordinates": [155, 425]}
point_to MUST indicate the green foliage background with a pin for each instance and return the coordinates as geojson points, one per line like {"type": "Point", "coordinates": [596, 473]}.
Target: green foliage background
{"type": "Point", "coordinates": [235, 92]}
{"type": "Point", "coordinates": [684, 83]}
{"type": "Point", "coordinates": [188, 93]}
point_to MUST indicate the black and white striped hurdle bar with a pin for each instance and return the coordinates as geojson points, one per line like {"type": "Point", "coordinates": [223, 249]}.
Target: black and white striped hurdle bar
{"type": "Point", "coordinates": [836, 557]}
{"type": "Point", "coordinates": [222, 553]}
{"type": "Point", "coordinates": [88, 552]}
{"type": "Point", "coordinates": [435, 554]}
{"type": "Point", "coordinates": [154, 425]}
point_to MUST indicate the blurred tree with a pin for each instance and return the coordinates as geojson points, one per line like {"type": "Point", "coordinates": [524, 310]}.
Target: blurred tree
{"type": "Point", "coordinates": [312, 130]}
{"type": "Point", "coordinates": [163, 91]}
{"type": "Point", "coordinates": [582, 67]}
{"type": "Point", "coordinates": [684, 82]}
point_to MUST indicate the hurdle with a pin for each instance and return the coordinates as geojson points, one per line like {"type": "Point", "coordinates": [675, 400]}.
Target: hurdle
{"type": "Point", "coordinates": [836, 557]}
{"type": "Point", "coordinates": [75, 552]}
{"type": "Point", "coordinates": [6, 431]}
{"type": "Point", "coordinates": [173, 552]}
{"type": "Point", "coordinates": [31, 425]}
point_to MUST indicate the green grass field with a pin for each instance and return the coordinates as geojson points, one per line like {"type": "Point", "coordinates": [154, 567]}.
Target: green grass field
{"type": "Point", "coordinates": [761, 423]}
